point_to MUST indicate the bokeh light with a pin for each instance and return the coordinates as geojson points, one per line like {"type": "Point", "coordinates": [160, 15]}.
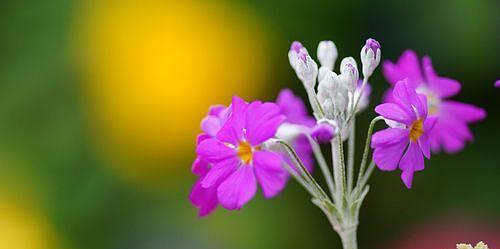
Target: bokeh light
{"type": "Point", "coordinates": [153, 67]}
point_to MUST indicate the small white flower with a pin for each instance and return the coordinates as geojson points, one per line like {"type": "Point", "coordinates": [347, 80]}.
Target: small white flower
{"type": "Point", "coordinates": [370, 57]}
{"type": "Point", "coordinates": [327, 54]}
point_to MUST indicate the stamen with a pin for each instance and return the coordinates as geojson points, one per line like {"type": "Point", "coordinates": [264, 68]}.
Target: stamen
{"type": "Point", "coordinates": [416, 130]}
{"type": "Point", "coordinates": [245, 152]}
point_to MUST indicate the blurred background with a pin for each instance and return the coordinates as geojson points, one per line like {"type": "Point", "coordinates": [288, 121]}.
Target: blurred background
{"type": "Point", "coordinates": [100, 102]}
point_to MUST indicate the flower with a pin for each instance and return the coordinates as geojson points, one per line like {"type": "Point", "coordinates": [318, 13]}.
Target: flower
{"type": "Point", "coordinates": [296, 124]}
{"type": "Point", "coordinates": [238, 158]}
{"type": "Point", "coordinates": [205, 199]}
{"type": "Point", "coordinates": [406, 142]}
{"type": "Point", "coordinates": [327, 54]}
{"type": "Point", "coordinates": [370, 56]}
{"type": "Point", "coordinates": [497, 83]}
{"type": "Point", "coordinates": [451, 131]}
{"type": "Point", "coordinates": [479, 245]}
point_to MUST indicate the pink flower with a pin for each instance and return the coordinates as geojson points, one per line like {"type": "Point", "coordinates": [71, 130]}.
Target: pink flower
{"type": "Point", "coordinates": [451, 131]}
{"type": "Point", "coordinates": [238, 158]}
{"type": "Point", "coordinates": [406, 142]}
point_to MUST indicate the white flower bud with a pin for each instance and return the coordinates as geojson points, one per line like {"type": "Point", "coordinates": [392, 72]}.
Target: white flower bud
{"type": "Point", "coordinates": [289, 132]}
{"type": "Point", "coordinates": [333, 95]}
{"type": "Point", "coordinates": [370, 57]}
{"type": "Point", "coordinates": [293, 53]}
{"type": "Point", "coordinates": [327, 54]}
{"type": "Point", "coordinates": [323, 71]}
{"type": "Point", "coordinates": [349, 73]}
{"type": "Point", "coordinates": [307, 69]}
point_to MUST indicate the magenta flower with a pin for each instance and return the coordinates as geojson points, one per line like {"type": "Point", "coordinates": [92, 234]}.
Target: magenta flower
{"type": "Point", "coordinates": [238, 158]}
{"type": "Point", "coordinates": [406, 142]}
{"type": "Point", "coordinates": [205, 199]}
{"type": "Point", "coordinates": [298, 119]}
{"type": "Point", "coordinates": [451, 131]}
{"type": "Point", "coordinates": [497, 83]}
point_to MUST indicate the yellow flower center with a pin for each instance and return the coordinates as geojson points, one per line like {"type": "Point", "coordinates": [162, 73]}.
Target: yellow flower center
{"type": "Point", "coordinates": [416, 130]}
{"type": "Point", "coordinates": [245, 152]}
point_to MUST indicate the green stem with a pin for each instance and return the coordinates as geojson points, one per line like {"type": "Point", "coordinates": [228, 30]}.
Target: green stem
{"type": "Point", "coordinates": [322, 164]}
{"type": "Point", "coordinates": [351, 154]}
{"type": "Point", "coordinates": [367, 150]}
{"type": "Point", "coordinates": [319, 191]}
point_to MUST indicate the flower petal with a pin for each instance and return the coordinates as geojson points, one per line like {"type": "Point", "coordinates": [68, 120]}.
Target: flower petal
{"type": "Point", "coordinates": [389, 136]}
{"type": "Point", "coordinates": [214, 151]}
{"type": "Point", "coordinates": [407, 178]}
{"type": "Point", "coordinates": [413, 159]}
{"type": "Point", "coordinates": [210, 125]}
{"type": "Point", "coordinates": [394, 112]}
{"type": "Point", "coordinates": [219, 172]}
{"type": "Point", "coordinates": [407, 67]}
{"type": "Point", "coordinates": [425, 145]}
{"type": "Point", "coordinates": [238, 188]}
{"type": "Point", "coordinates": [200, 166]}
{"type": "Point", "coordinates": [387, 157]}
{"type": "Point", "coordinates": [441, 86]}
{"type": "Point", "coordinates": [271, 176]}
{"type": "Point", "coordinates": [262, 121]}
{"type": "Point", "coordinates": [215, 110]}
{"type": "Point", "coordinates": [462, 111]}
{"type": "Point", "coordinates": [406, 96]}
{"type": "Point", "coordinates": [294, 108]}
{"type": "Point", "coordinates": [232, 130]}
{"type": "Point", "coordinates": [205, 199]}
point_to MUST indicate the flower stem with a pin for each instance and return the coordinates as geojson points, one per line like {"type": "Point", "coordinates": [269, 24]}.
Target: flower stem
{"type": "Point", "coordinates": [303, 170]}
{"type": "Point", "coordinates": [348, 237]}
{"type": "Point", "coordinates": [322, 164]}
{"type": "Point", "coordinates": [350, 156]}
{"type": "Point", "coordinates": [366, 151]}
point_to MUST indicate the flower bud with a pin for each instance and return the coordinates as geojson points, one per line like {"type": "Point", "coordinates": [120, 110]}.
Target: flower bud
{"type": "Point", "coordinates": [307, 69]}
{"type": "Point", "coordinates": [289, 132]}
{"type": "Point", "coordinates": [349, 72]}
{"type": "Point", "coordinates": [324, 131]}
{"type": "Point", "coordinates": [323, 71]}
{"type": "Point", "coordinates": [295, 49]}
{"type": "Point", "coordinates": [370, 57]}
{"type": "Point", "coordinates": [327, 54]}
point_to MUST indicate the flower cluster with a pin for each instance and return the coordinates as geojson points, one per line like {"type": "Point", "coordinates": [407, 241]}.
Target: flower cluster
{"type": "Point", "coordinates": [246, 145]}
{"type": "Point", "coordinates": [338, 96]}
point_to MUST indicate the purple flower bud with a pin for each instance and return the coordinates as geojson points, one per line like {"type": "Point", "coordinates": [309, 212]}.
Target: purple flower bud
{"type": "Point", "coordinates": [497, 83]}
{"type": "Point", "coordinates": [373, 45]}
{"type": "Point", "coordinates": [296, 46]}
{"type": "Point", "coordinates": [323, 132]}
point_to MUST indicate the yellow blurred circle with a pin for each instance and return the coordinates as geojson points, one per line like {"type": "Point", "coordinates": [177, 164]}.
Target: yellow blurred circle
{"type": "Point", "coordinates": [152, 68]}
{"type": "Point", "coordinates": [23, 228]}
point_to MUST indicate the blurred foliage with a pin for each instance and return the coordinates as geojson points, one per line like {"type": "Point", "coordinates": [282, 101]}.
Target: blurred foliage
{"type": "Point", "coordinates": [69, 132]}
